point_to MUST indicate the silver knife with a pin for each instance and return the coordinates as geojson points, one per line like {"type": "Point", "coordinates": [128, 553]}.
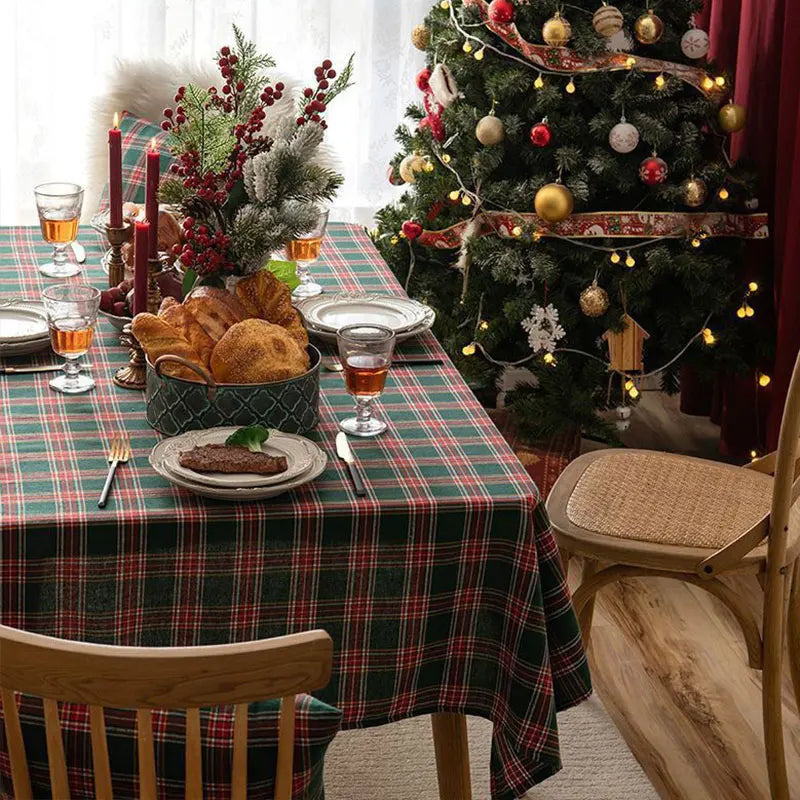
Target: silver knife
{"type": "Point", "coordinates": [38, 368]}
{"type": "Point", "coordinates": [346, 454]}
{"type": "Point", "coordinates": [80, 252]}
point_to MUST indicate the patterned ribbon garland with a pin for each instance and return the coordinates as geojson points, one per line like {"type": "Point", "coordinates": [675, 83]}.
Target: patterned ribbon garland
{"type": "Point", "coordinates": [562, 59]}
{"type": "Point", "coordinates": [606, 225]}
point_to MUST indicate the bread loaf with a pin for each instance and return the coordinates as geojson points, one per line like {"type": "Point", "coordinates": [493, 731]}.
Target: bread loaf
{"type": "Point", "coordinates": [176, 315]}
{"type": "Point", "coordinates": [159, 338]}
{"type": "Point", "coordinates": [267, 297]}
{"type": "Point", "coordinates": [215, 309]}
{"type": "Point", "coordinates": [256, 351]}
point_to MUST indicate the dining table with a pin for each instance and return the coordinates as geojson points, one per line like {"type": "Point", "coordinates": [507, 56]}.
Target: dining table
{"type": "Point", "coordinates": [442, 587]}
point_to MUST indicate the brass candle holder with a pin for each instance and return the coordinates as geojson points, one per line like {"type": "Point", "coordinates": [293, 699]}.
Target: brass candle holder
{"type": "Point", "coordinates": [116, 264]}
{"type": "Point", "coordinates": [134, 374]}
{"type": "Point", "coordinates": [153, 292]}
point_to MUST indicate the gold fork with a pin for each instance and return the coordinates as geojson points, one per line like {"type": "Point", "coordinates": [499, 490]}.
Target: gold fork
{"type": "Point", "coordinates": [119, 451]}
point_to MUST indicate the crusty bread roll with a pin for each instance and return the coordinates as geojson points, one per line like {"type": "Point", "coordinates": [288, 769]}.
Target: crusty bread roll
{"type": "Point", "coordinates": [267, 297]}
{"type": "Point", "coordinates": [176, 315]}
{"type": "Point", "coordinates": [159, 338]}
{"type": "Point", "coordinates": [215, 309]}
{"type": "Point", "coordinates": [256, 351]}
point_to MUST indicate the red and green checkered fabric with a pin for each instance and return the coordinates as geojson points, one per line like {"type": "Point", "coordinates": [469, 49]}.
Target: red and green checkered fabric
{"type": "Point", "coordinates": [316, 725]}
{"type": "Point", "coordinates": [137, 135]}
{"type": "Point", "coordinates": [442, 588]}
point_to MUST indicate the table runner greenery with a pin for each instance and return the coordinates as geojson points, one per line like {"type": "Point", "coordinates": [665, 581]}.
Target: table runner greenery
{"type": "Point", "coordinates": [441, 588]}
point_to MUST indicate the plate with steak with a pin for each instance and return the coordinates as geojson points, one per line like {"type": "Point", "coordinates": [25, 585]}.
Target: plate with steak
{"type": "Point", "coordinates": [204, 457]}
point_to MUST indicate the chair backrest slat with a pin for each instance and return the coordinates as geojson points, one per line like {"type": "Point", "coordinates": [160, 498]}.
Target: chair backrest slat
{"type": "Point", "coordinates": [283, 772]}
{"type": "Point", "coordinates": [59, 783]}
{"type": "Point", "coordinates": [147, 756]}
{"type": "Point", "coordinates": [102, 769]}
{"type": "Point", "coordinates": [159, 677]}
{"type": "Point", "coordinates": [239, 777]}
{"type": "Point", "coordinates": [20, 779]}
{"type": "Point", "coordinates": [194, 755]}
{"type": "Point", "coordinates": [784, 545]}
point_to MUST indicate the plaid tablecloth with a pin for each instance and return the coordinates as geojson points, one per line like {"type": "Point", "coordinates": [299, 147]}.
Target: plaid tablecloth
{"type": "Point", "coordinates": [442, 588]}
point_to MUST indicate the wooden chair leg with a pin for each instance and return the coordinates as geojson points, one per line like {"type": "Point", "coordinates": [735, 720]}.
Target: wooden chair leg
{"type": "Point", "coordinates": [565, 558]}
{"type": "Point", "coordinates": [452, 756]}
{"type": "Point", "coordinates": [772, 700]}
{"type": "Point", "coordinates": [794, 632]}
{"type": "Point", "coordinates": [590, 567]}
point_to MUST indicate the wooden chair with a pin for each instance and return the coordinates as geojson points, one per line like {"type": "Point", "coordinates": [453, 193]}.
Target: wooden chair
{"type": "Point", "coordinates": [146, 678]}
{"type": "Point", "coordinates": [643, 513]}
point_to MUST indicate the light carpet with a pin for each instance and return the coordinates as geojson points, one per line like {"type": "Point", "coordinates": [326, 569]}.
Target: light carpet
{"type": "Point", "coordinates": [396, 762]}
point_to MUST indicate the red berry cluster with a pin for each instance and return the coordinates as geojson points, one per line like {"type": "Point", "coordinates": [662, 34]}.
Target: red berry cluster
{"type": "Point", "coordinates": [315, 98]}
{"type": "Point", "coordinates": [204, 250]}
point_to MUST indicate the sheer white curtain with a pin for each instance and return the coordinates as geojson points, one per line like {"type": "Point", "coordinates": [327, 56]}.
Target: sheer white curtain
{"type": "Point", "coordinates": [56, 55]}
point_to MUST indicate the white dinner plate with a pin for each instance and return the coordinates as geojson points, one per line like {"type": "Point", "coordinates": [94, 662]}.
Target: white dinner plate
{"type": "Point", "coordinates": [24, 348]}
{"type": "Point", "coordinates": [22, 321]}
{"type": "Point", "coordinates": [330, 336]}
{"type": "Point", "coordinates": [326, 313]}
{"type": "Point", "coordinates": [299, 454]}
{"type": "Point", "coordinates": [245, 494]}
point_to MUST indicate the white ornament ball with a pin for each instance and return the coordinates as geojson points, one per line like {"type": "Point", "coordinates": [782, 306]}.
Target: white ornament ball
{"type": "Point", "coordinates": [410, 165]}
{"type": "Point", "coordinates": [607, 20]}
{"type": "Point", "coordinates": [490, 130]}
{"type": "Point", "coordinates": [623, 412]}
{"type": "Point", "coordinates": [623, 137]}
{"type": "Point", "coordinates": [620, 42]}
{"type": "Point", "coordinates": [695, 43]}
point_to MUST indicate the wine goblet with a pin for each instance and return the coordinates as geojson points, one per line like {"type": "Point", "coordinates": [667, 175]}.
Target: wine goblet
{"type": "Point", "coordinates": [366, 353]}
{"type": "Point", "coordinates": [305, 251]}
{"type": "Point", "coordinates": [72, 315]}
{"type": "Point", "coordinates": [59, 205]}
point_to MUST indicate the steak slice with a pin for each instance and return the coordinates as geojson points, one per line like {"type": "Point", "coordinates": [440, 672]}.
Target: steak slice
{"type": "Point", "coordinates": [227, 458]}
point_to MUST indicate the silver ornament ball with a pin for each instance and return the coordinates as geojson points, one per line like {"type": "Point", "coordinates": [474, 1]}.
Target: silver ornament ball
{"type": "Point", "coordinates": [623, 137]}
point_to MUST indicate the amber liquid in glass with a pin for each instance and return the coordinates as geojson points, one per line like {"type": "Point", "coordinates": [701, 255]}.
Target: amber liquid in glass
{"type": "Point", "coordinates": [71, 337]}
{"type": "Point", "coordinates": [365, 375]}
{"type": "Point", "coordinates": [304, 249]}
{"type": "Point", "coordinates": [59, 231]}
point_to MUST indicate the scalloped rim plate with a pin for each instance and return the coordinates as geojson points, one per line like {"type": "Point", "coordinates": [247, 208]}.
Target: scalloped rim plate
{"type": "Point", "coordinates": [326, 313]}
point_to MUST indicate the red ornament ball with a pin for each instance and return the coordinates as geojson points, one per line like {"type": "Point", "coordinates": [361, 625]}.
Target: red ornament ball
{"type": "Point", "coordinates": [411, 229]}
{"type": "Point", "coordinates": [391, 175]}
{"type": "Point", "coordinates": [501, 11]}
{"type": "Point", "coordinates": [653, 170]}
{"type": "Point", "coordinates": [541, 134]}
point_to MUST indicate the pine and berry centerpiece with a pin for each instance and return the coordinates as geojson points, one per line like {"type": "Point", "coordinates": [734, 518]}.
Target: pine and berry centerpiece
{"type": "Point", "coordinates": [248, 175]}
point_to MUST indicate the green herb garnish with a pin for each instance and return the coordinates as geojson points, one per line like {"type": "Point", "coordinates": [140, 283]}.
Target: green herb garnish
{"type": "Point", "coordinates": [251, 437]}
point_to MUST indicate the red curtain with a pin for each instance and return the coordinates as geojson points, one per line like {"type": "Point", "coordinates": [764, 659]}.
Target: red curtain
{"type": "Point", "coordinates": [752, 40]}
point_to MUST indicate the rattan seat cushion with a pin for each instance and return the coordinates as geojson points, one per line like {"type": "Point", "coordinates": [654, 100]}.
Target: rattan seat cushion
{"type": "Point", "coordinates": [669, 499]}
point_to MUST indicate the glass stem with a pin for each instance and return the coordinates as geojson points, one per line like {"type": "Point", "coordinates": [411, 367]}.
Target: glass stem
{"type": "Point", "coordinates": [59, 255]}
{"type": "Point", "coordinates": [363, 412]}
{"type": "Point", "coordinates": [72, 369]}
{"type": "Point", "coordinates": [302, 273]}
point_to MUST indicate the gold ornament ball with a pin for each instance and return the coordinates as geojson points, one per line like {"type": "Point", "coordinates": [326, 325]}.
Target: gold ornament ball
{"type": "Point", "coordinates": [607, 20]}
{"type": "Point", "coordinates": [409, 166]}
{"type": "Point", "coordinates": [553, 202]}
{"type": "Point", "coordinates": [594, 300]}
{"type": "Point", "coordinates": [732, 117]}
{"type": "Point", "coordinates": [695, 192]}
{"type": "Point", "coordinates": [490, 130]}
{"type": "Point", "coordinates": [421, 36]}
{"type": "Point", "coordinates": [556, 31]}
{"type": "Point", "coordinates": [648, 28]}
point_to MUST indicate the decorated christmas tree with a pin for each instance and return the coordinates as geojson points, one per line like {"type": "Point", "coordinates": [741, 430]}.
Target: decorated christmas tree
{"type": "Point", "coordinates": [571, 207]}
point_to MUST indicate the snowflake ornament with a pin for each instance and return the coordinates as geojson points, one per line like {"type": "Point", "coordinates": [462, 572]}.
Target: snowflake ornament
{"type": "Point", "coordinates": [544, 329]}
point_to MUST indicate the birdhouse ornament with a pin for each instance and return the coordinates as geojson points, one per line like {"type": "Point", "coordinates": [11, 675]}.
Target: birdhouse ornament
{"type": "Point", "coordinates": [625, 347]}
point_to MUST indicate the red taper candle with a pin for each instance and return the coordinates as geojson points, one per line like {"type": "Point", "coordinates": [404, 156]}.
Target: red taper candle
{"type": "Point", "coordinates": [141, 238]}
{"type": "Point", "coordinates": [115, 174]}
{"type": "Point", "coordinates": [151, 196]}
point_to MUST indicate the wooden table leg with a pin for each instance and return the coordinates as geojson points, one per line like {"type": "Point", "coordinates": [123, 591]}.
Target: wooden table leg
{"type": "Point", "coordinates": [452, 756]}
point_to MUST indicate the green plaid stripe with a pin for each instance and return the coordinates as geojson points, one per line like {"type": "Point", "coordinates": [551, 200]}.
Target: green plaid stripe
{"type": "Point", "coordinates": [441, 588]}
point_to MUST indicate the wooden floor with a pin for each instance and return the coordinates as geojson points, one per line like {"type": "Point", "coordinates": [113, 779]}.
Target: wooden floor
{"type": "Point", "coordinates": [669, 663]}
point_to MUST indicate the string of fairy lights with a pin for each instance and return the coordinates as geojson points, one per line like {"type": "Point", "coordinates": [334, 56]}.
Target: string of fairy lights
{"type": "Point", "coordinates": [475, 47]}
